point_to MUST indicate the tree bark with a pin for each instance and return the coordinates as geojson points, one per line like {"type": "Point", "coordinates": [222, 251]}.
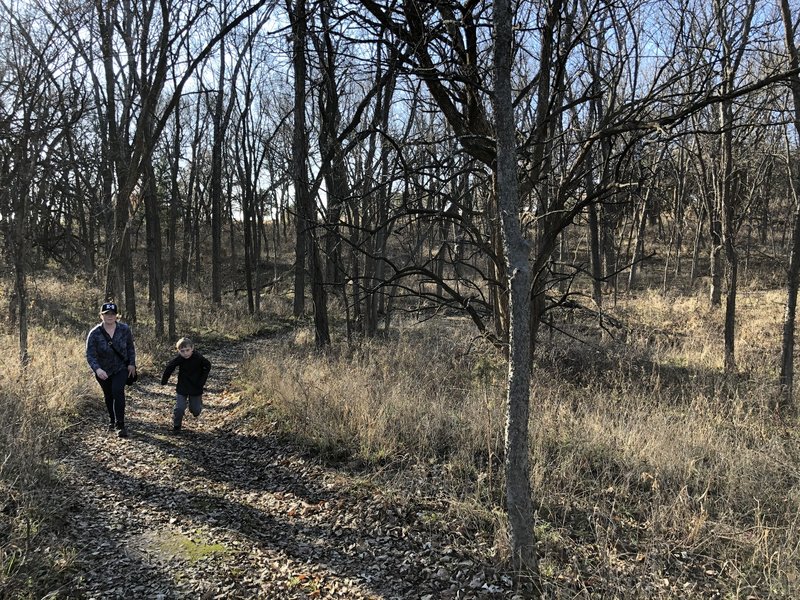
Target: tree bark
{"type": "Point", "coordinates": [786, 402]}
{"type": "Point", "coordinates": [728, 188]}
{"type": "Point", "coordinates": [297, 16]}
{"type": "Point", "coordinates": [20, 194]}
{"type": "Point", "coordinates": [728, 204]}
{"type": "Point", "coordinates": [155, 264]}
{"type": "Point", "coordinates": [172, 227]}
{"type": "Point", "coordinates": [216, 182]}
{"type": "Point", "coordinates": [517, 251]}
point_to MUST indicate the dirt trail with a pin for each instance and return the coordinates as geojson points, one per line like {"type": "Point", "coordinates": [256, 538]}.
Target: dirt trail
{"type": "Point", "coordinates": [216, 512]}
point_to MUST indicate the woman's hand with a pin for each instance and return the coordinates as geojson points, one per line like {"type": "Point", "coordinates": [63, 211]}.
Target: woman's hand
{"type": "Point", "coordinates": [101, 374]}
{"type": "Point", "coordinates": [131, 370]}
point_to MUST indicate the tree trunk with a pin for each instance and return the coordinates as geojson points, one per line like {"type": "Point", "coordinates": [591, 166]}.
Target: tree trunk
{"type": "Point", "coordinates": [172, 228]}
{"type": "Point", "coordinates": [786, 402]}
{"type": "Point", "coordinates": [715, 259]}
{"type": "Point", "coordinates": [638, 244]}
{"type": "Point", "coordinates": [19, 192]}
{"type": "Point", "coordinates": [728, 193]}
{"type": "Point", "coordinates": [319, 297]}
{"type": "Point", "coordinates": [306, 213]}
{"type": "Point", "coordinates": [331, 146]}
{"type": "Point", "coordinates": [594, 255]}
{"type": "Point", "coordinates": [519, 503]}
{"type": "Point", "coordinates": [698, 242]}
{"type": "Point", "coordinates": [497, 271]}
{"type": "Point", "coordinates": [297, 16]}
{"type": "Point", "coordinates": [728, 187]}
{"type": "Point", "coordinates": [216, 183]}
{"type": "Point", "coordinates": [154, 250]}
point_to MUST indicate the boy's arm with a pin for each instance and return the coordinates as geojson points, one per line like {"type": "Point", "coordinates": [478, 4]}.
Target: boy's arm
{"type": "Point", "coordinates": [169, 369]}
{"type": "Point", "coordinates": [205, 369]}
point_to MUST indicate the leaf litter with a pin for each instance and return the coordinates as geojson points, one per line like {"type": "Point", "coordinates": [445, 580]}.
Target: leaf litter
{"type": "Point", "coordinates": [220, 512]}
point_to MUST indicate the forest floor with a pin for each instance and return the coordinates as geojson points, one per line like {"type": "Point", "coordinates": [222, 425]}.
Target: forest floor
{"type": "Point", "coordinates": [222, 511]}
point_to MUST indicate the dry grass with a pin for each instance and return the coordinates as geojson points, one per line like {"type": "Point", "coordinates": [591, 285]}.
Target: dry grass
{"type": "Point", "coordinates": [38, 402]}
{"type": "Point", "coordinates": [201, 318]}
{"type": "Point", "coordinates": [647, 462]}
{"type": "Point", "coordinates": [642, 451]}
{"type": "Point", "coordinates": [367, 403]}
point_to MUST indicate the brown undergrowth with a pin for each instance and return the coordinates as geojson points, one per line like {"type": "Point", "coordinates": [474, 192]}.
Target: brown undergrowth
{"type": "Point", "coordinates": [655, 474]}
{"type": "Point", "coordinates": [42, 399]}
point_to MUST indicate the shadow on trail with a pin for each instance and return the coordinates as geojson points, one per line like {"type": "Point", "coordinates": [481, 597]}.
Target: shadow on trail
{"type": "Point", "coordinates": [382, 564]}
{"type": "Point", "coordinates": [121, 575]}
{"type": "Point", "coordinates": [278, 515]}
{"type": "Point", "coordinates": [246, 463]}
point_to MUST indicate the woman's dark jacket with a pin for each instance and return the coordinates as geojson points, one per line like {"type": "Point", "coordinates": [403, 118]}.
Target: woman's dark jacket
{"type": "Point", "coordinates": [100, 349]}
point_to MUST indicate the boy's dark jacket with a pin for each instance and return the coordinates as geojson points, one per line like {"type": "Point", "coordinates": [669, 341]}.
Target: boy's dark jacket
{"type": "Point", "coordinates": [192, 373]}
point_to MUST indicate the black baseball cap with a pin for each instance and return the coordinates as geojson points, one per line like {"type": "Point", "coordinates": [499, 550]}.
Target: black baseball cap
{"type": "Point", "coordinates": [108, 307]}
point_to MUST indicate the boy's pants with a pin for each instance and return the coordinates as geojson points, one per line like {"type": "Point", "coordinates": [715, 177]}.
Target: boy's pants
{"type": "Point", "coordinates": [195, 407]}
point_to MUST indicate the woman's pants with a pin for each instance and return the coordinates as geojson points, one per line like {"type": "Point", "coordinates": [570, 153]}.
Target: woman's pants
{"type": "Point", "coordinates": [114, 395]}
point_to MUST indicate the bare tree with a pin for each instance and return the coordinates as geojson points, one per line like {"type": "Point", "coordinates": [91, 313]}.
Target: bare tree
{"type": "Point", "coordinates": [251, 148]}
{"type": "Point", "coordinates": [136, 43]}
{"type": "Point", "coordinates": [297, 16]}
{"type": "Point", "coordinates": [35, 114]}
{"type": "Point", "coordinates": [174, 158]}
{"type": "Point", "coordinates": [790, 28]}
{"type": "Point", "coordinates": [305, 243]}
{"type": "Point", "coordinates": [517, 252]}
{"type": "Point", "coordinates": [734, 41]}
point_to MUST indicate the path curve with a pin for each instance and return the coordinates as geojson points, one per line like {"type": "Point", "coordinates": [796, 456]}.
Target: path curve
{"type": "Point", "coordinates": [217, 512]}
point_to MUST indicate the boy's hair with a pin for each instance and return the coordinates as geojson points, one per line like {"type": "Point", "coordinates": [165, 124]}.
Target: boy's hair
{"type": "Point", "coordinates": [184, 342]}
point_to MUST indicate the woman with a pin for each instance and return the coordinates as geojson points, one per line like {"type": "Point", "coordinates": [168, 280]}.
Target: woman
{"type": "Point", "coordinates": [112, 358]}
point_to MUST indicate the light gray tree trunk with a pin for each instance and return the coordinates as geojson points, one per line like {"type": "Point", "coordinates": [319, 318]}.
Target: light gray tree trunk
{"type": "Point", "coordinates": [517, 252]}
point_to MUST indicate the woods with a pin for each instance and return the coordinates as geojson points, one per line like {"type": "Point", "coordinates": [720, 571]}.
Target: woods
{"type": "Point", "coordinates": [508, 164]}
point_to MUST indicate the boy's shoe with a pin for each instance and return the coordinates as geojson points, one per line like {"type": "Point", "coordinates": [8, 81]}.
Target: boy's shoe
{"type": "Point", "coordinates": [176, 429]}
{"type": "Point", "coordinates": [111, 426]}
{"type": "Point", "coordinates": [123, 433]}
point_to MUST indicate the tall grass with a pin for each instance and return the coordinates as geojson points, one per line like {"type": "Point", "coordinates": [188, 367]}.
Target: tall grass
{"type": "Point", "coordinates": [648, 463]}
{"type": "Point", "coordinates": [641, 449]}
{"type": "Point", "coordinates": [39, 402]}
{"type": "Point", "coordinates": [367, 403]}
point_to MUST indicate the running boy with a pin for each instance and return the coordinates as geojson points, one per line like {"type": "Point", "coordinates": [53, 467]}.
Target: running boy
{"type": "Point", "coordinates": [193, 370]}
